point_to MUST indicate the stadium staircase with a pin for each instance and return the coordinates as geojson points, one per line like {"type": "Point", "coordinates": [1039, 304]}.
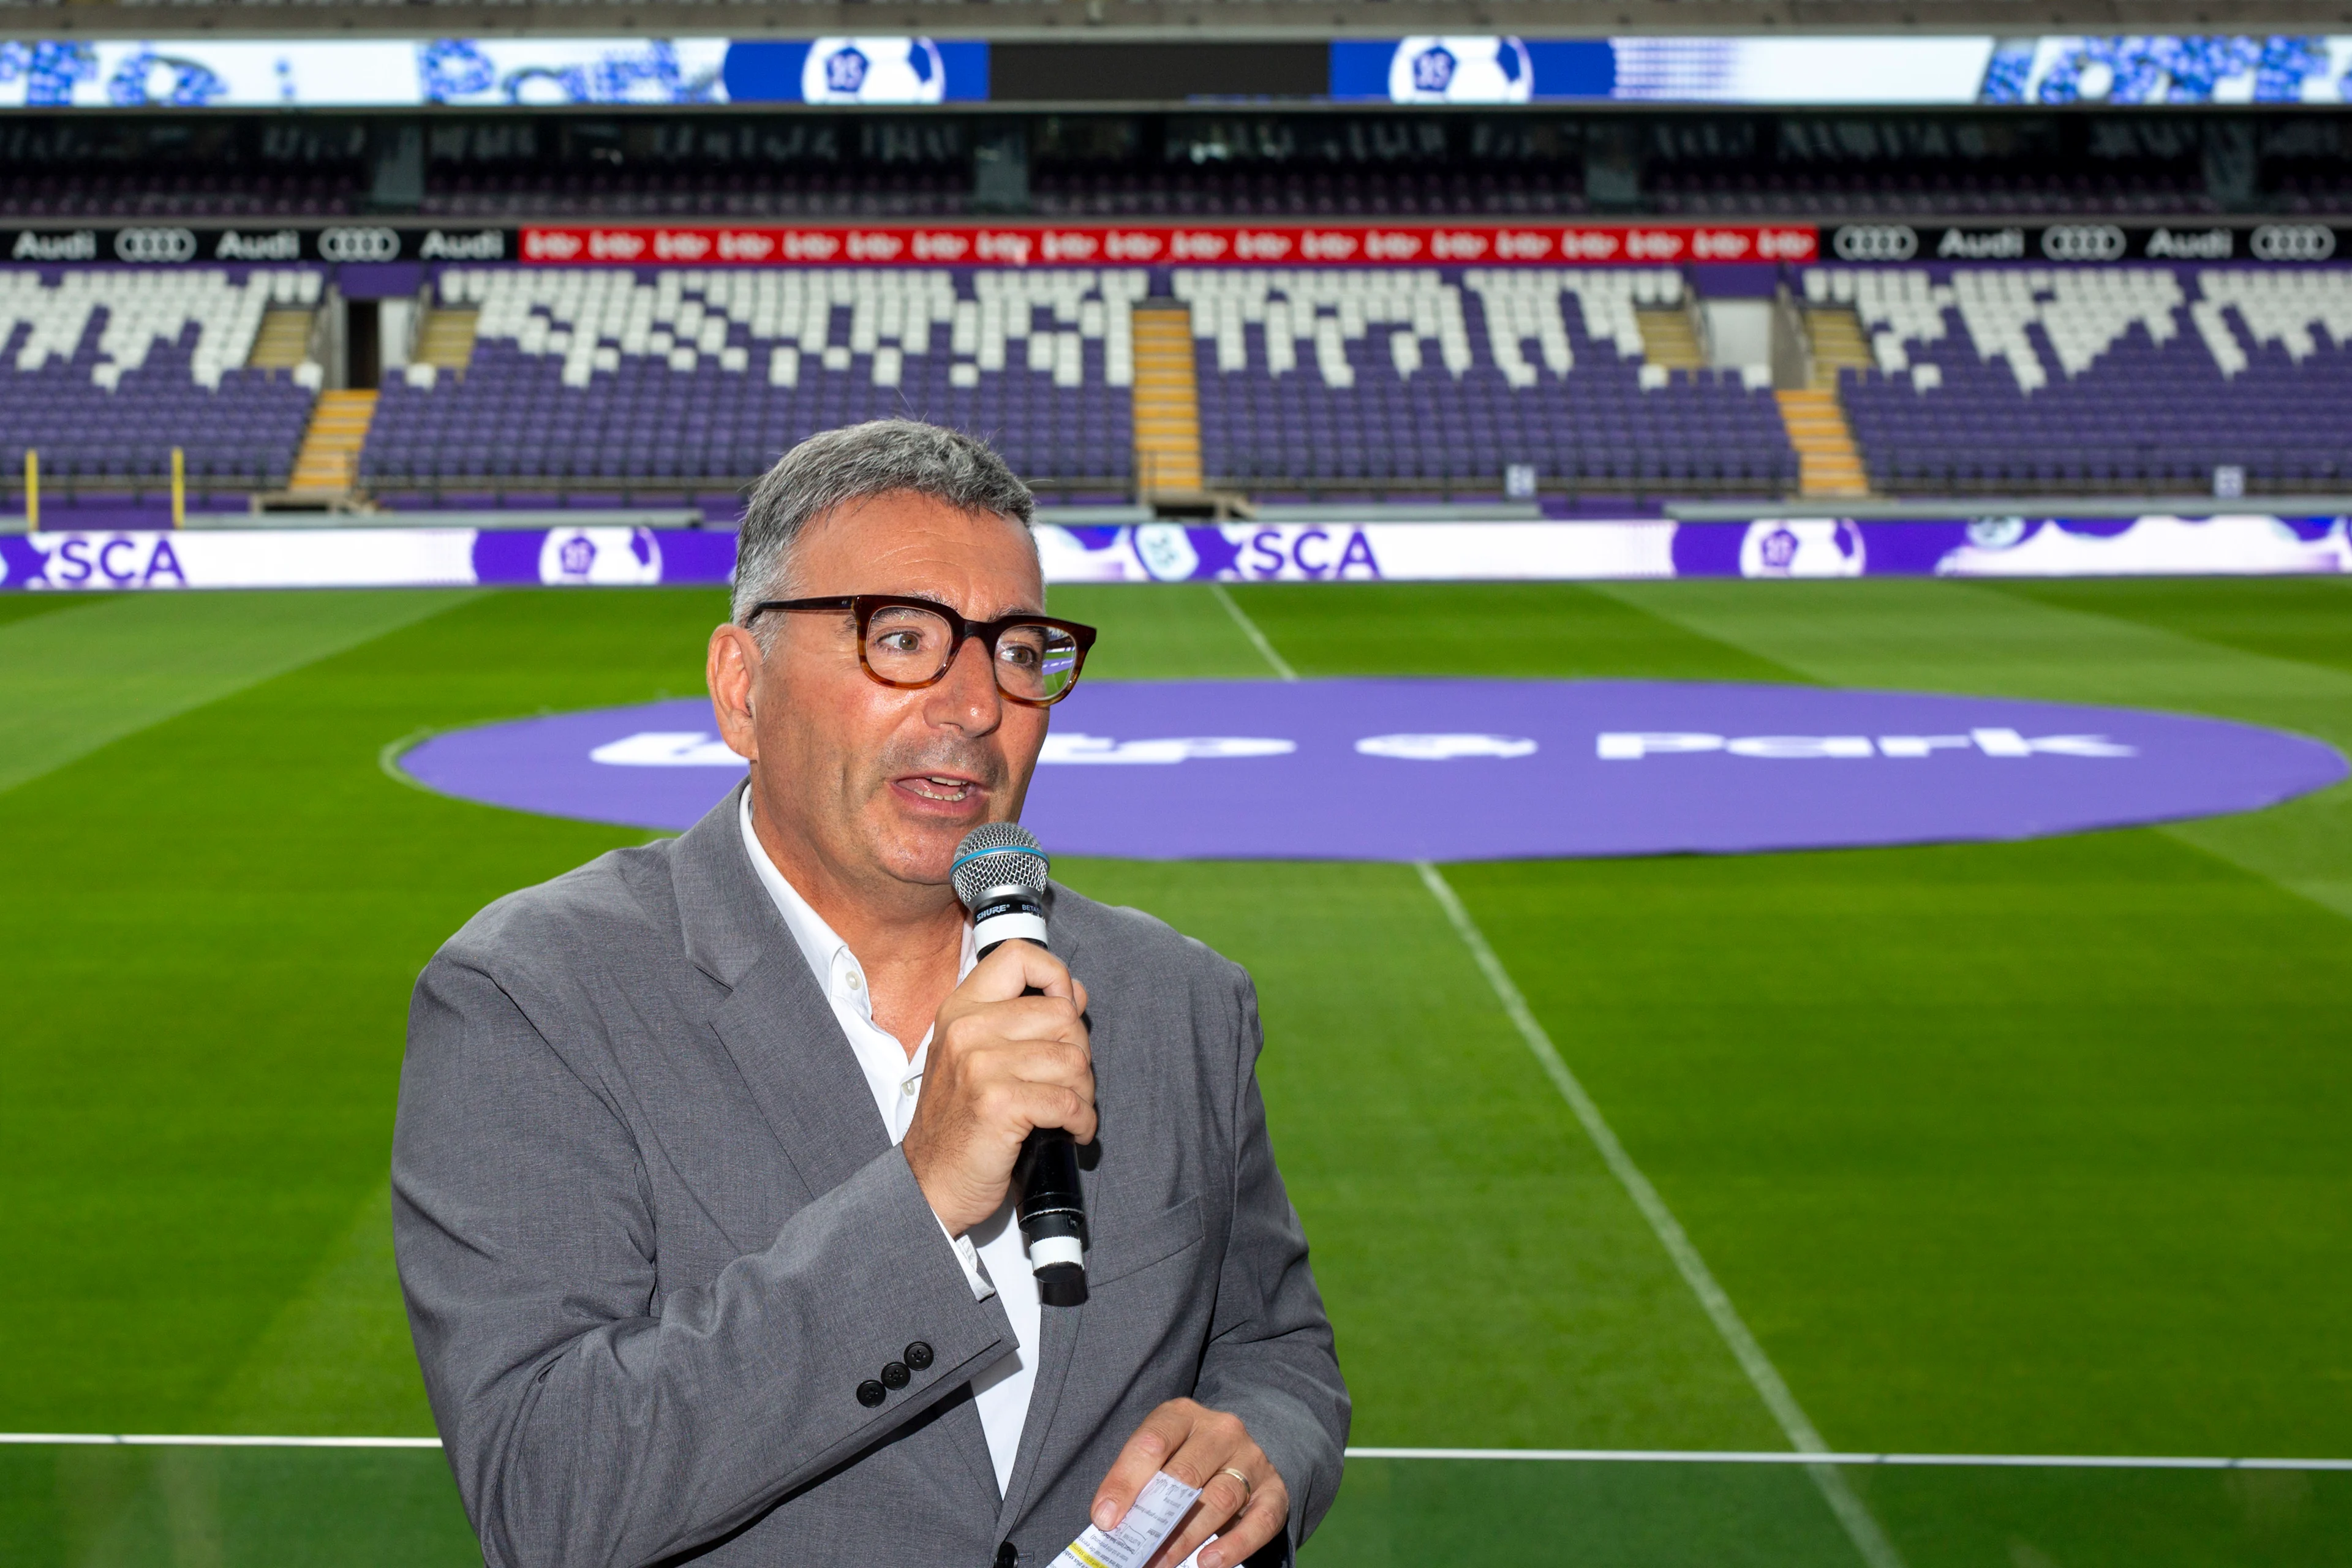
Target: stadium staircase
{"type": "Point", "coordinates": [283, 341]}
{"type": "Point", "coordinates": [329, 462]}
{"type": "Point", "coordinates": [1829, 462]}
{"type": "Point", "coordinates": [1670, 339]}
{"type": "Point", "coordinates": [446, 342]}
{"type": "Point", "coordinates": [1167, 402]}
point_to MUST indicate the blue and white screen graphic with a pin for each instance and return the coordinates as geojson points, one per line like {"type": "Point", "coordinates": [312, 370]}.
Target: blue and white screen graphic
{"type": "Point", "coordinates": [2172, 69]}
{"type": "Point", "coordinates": [1481, 68]}
{"type": "Point", "coordinates": [570, 70]}
{"type": "Point", "coordinates": [857, 70]}
{"type": "Point", "coordinates": [204, 73]}
{"type": "Point", "coordinates": [1460, 70]}
{"type": "Point", "coordinates": [1796, 71]}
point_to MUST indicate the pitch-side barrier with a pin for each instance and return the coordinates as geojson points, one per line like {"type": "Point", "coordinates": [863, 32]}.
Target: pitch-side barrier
{"type": "Point", "coordinates": [616, 556]}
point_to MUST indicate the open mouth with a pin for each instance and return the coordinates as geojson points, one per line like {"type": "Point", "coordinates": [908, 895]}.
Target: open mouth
{"type": "Point", "coordinates": [943, 787]}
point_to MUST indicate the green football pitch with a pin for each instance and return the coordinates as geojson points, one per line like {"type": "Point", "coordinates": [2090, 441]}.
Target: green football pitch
{"type": "Point", "coordinates": [2019, 1149]}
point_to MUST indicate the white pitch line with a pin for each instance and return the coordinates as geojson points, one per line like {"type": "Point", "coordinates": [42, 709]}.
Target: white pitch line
{"type": "Point", "coordinates": [1549, 1455]}
{"type": "Point", "coordinates": [1786, 1456]}
{"type": "Point", "coordinates": [1876, 1550]}
{"type": "Point", "coordinates": [214, 1440]}
{"type": "Point", "coordinates": [1249, 629]}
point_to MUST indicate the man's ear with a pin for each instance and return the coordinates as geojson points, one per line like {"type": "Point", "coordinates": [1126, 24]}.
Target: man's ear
{"type": "Point", "coordinates": [732, 671]}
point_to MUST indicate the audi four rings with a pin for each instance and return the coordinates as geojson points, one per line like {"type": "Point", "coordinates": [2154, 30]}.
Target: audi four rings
{"type": "Point", "coordinates": [1875, 242]}
{"type": "Point", "coordinates": [359, 245]}
{"type": "Point", "coordinates": [2084, 242]}
{"type": "Point", "coordinates": [155, 245]}
{"type": "Point", "coordinates": [2292, 242]}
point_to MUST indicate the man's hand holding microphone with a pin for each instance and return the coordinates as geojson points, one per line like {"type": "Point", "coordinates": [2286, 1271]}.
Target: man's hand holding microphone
{"type": "Point", "coordinates": [1003, 1063]}
{"type": "Point", "coordinates": [1010, 1054]}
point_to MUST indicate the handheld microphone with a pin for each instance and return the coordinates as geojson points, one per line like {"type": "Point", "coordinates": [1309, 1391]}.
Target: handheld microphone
{"type": "Point", "coordinates": [1000, 875]}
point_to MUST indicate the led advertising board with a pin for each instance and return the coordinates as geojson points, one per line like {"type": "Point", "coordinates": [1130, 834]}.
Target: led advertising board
{"type": "Point", "coordinates": [2139, 68]}
{"type": "Point", "coordinates": [211, 73]}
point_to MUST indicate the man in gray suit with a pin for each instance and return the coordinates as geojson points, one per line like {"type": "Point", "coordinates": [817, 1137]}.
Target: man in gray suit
{"type": "Point", "coordinates": [703, 1171]}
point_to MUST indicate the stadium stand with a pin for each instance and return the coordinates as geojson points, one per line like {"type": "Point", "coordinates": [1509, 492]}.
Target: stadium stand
{"type": "Point", "coordinates": [1206, 159]}
{"type": "Point", "coordinates": [1314, 382]}
{"type": "Point", "coordinates": [104, 371]}
{"type": "Point", "coordinates": [52, 195]}
{"type": "Point", "coordinates": [1439, 378]}
{"type": "Point", "coordinates": [738, 168]}
{"type": "Point", "coordinates": [601, 376]}
{"type": "Point", "coordinates": [1889, 165]}
{"type": "Point", "coordinates": [1367, 380]}
{"type": "Point", "coordinates": [68, 167]}
{"type": "Point", "coordinates": [2017, 380]}
{"type": "Point", "coordinates": [1722, 194]}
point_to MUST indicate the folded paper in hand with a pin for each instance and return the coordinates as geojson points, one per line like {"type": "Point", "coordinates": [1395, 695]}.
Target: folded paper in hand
{"type": "Point", "coordinates": [1153, 1517]}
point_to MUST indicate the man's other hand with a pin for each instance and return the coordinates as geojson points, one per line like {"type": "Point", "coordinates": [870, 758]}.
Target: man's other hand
{"type": "Point", "coordinates": [1201, 1448]}
{"type": "Point", "coordinates": [1001, 1065]}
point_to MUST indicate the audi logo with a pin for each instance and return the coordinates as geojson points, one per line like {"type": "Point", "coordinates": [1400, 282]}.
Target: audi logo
{"type": "Point", "coordinates": [359, 245]}
{"type": "Point", "coordinates": [155, 245]}
{"type": "Point", "coordinates": [2083, 242]}
{"type": "Point", "coordinates": [1876, 242]}
{"type": "Point", "coordinates": [2293, 242]}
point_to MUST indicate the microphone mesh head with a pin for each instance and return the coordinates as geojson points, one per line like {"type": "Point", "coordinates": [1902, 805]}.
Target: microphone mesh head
{"type": "Point", "coordinates": [997, 855]}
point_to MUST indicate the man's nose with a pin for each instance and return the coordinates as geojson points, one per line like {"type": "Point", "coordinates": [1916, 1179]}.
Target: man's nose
{"type": "Point", "coordinates": [967, 694]}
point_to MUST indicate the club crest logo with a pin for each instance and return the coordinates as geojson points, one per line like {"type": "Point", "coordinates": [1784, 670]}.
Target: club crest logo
{"type": "Point", "coordinates": [1802, 547]}
{"type": "Point", "coordinates": [1460, 70]}
{"type": "Point", "coordinates": [874, 70]}
{"type": "Point", "coordinates": [600, 557]}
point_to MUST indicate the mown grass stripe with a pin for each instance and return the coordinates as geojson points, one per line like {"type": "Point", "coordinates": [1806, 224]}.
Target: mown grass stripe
{"type": "Point", "coordinates": [1860, 1526]}
{"type": "Point", "coordinates": [78, 681]}
{"type": "Point", "coordinates": [1258, 638]}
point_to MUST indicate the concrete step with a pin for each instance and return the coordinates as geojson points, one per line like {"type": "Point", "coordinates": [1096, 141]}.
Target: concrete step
{"type": "Point", "coordinates": [328, 460]}
{"type": "Point", "coordinates": [283, 341]}
{"type": "Point", "coordinates": [1165, 402]}
{"type": "Point", "coordinates": [1828, 462]}
{"type": "Point", "coordinates": [446, 340]}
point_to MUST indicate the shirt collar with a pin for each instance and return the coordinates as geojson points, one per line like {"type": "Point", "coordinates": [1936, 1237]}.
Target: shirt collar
{"type": "Point", "coordinates": [827, 956]}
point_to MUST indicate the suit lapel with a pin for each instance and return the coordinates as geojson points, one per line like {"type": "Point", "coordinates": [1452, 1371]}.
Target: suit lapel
{"type": "Point", "coordinates": [788, 1046]}
{"type": "Point", "coordinates": [1057, 1338]}
{"type": "Point", "coordinates": [774, 1020]}
{"type": "Point", "coordinates": [781, 1034]}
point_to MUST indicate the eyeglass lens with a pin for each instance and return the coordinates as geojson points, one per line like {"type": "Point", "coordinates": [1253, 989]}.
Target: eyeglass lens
{"type": "Point", "coordinates": [1033, 663]}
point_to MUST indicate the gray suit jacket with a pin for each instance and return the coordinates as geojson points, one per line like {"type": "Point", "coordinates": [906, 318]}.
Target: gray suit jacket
{"type": "Point", "coordinates": [653, 1235]}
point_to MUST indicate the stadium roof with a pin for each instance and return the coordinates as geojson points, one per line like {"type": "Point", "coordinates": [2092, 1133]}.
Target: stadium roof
{"type": "Point", "coordinates": [1224, 19]}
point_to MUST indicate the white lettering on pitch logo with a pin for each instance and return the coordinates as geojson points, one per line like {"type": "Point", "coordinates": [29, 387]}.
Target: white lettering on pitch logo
{"type": "Point", "coordinates": [667, 748]}
{"type": "Point", "coordinates": [1445, 747]}
{"type": "Point", "coordinates": [1078, 747]}
{"type": "Point", "coordinates": [2009, 743]}
{"type": "Point", "coordinates": [1633, 745]}
{"type": "Point", "coordinates": [1799, 746]}
{"type": "Point", "coordinates": [1921, 745]}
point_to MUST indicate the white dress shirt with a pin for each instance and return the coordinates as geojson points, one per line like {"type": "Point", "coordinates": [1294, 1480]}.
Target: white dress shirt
{"type": "Point", "coordinates": [991, 1253]}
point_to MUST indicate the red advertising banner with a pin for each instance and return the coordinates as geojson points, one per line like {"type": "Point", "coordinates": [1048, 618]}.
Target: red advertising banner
{"type": "Point", "coordinates": [1185, 245]}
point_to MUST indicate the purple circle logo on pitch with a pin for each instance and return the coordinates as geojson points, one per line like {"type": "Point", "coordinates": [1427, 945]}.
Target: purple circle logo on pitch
{"type": "Point", "coordinates": [1471, 770]}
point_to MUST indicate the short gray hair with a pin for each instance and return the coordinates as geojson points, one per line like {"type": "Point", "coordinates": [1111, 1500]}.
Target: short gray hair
{"type": "Point", "coordinates": [858, 462]}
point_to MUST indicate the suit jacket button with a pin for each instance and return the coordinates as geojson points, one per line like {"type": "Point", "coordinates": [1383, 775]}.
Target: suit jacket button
{"type": "Point", "coordinates": [1007, 1555]}
{"type": "Point", "coordinates": [895, 1374]}
{"type": "Point", "coordinates": [871, 1394]}
{"type": "Point", "coordinates": [918, 1356]}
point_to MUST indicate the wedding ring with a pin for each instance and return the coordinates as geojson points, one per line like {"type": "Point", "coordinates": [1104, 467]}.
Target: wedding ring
{"type": "Point", "coordinates": [1247, 1488]}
